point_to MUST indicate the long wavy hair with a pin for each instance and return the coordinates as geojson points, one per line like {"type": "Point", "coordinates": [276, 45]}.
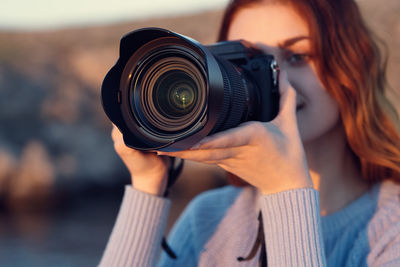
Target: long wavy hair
{"type": "Point", "coordinates": [352, 69]}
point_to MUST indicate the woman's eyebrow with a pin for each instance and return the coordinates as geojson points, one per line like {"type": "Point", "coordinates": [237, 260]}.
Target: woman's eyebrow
{"type": "Point", "coordinates": [292, 41]}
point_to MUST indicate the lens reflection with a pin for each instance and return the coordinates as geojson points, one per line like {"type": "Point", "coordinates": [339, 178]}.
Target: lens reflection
{"type": "Point", "coordinates": [182, 96]}
{"type": "Point", "coordinates": [171, 95]}
{"type": "Point", "coordinates": [175, 94]}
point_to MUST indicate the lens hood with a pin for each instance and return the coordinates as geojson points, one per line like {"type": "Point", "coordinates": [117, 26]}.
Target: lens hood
{"type": "Point", "coordinates": [125, 104]}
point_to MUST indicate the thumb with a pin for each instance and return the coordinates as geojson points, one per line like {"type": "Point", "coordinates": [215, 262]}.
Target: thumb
{"type": "Point", "coordinates": [287, 105]}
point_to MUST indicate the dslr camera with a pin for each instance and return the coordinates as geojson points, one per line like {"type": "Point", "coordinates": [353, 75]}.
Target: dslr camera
{"type": "Point", "coordinates": [167, 91]}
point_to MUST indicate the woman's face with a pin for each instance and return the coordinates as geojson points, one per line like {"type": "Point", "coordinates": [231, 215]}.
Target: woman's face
{"type": "Point", "coordinates": [280, 31]}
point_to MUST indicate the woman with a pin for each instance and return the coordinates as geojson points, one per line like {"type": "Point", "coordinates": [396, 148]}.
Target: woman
{"type": "Point", "coordinates": [325, 173]}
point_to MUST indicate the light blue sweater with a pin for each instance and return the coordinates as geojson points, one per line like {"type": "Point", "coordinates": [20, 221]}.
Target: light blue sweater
{"type": "Point", "coordinates": [220, 225]}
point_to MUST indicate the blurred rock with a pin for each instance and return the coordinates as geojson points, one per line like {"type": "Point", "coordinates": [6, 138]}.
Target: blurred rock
{"type": "Point", "coordinates": [32, 184]}
{"type": "Point", "coordinates": [8, 165]}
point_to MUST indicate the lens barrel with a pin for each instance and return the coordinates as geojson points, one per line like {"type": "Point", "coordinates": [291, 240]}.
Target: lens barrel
{"type": "Point", "coordinates": [167, 92]}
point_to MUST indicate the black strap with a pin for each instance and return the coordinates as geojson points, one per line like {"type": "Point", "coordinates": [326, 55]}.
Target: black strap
{"type": "Point", "coordinates": [263, 255]}
{"type": "Point", "coordinates": [168, 249]}
{"type": "Point", "coordinates": [173, 174]}
{"type": "Point", "coordinates": [260, 240]}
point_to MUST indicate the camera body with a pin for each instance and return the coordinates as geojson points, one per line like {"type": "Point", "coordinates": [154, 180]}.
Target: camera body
{"type": "Point", "coordinates": [260, 68]}
{"type": "Point", "coordinates": [167, 91]}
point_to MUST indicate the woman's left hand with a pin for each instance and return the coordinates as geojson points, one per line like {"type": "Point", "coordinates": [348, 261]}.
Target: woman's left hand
{"type": "Point", "coordinates": [269, 156]}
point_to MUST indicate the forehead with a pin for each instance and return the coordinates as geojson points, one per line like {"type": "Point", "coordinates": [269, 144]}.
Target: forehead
{"type": "Point", "coordinates": [270, 24]}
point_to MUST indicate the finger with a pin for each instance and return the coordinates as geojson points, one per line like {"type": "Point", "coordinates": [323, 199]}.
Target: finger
{"type": "Point", "coordinates": [288, 95]}
{"type": "Point", "coordinates": [214, 155]}
{"type": "Point", "coordinates": [234, 137]}
{"type": "Point", "coordinates": [120, 147]}
{"type": "Point", "coordinates": [116, 134]}
{"type": "Point", "coordinates": [119, 144]}
{"type": "Point", "coordinates": [287, 110]}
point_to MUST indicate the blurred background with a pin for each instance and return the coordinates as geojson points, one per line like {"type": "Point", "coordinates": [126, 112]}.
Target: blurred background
{"type": "Point", "coordinates": [61, 182]}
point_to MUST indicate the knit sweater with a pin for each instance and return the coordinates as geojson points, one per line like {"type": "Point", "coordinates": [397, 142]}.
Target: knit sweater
{"type": "Point", "coordinates": [220, 225]}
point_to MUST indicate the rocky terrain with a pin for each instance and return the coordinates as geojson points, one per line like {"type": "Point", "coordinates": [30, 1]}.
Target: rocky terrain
{"type": "Point", "coordinates": [54, 135]}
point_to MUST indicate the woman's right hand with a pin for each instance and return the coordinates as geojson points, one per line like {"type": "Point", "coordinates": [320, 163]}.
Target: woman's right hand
{"type": "Point", "coordinates": [149, 172]}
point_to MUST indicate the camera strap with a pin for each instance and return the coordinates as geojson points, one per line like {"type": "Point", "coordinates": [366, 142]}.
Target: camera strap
{"type": "Point", "coordinates": [173, 174]}
{"type": "Point", "coordinates": [174, 171]}
{"type": "Point", "coordinates": [260, 241]}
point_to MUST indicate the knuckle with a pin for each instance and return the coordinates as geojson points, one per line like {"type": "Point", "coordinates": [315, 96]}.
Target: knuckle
{"type": "Point", "coordinates": [256, 128]}
{"type": "Point", "coordinates": [114, 134]}
{"type": "Point", "coordinates": [120, 147]}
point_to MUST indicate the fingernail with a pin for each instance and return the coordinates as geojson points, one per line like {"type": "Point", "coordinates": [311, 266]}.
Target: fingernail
{"type": "Point", "coordinates": [196, 146]}
{"type": "Point", "coordinates": [201, 143]}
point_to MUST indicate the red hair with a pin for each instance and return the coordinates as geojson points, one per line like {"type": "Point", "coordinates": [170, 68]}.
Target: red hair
{"type": "Point", "coordinates": [352, 69]}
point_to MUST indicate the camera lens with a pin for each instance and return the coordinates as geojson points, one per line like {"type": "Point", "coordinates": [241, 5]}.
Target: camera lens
{"type": "Point", "coordinates": [167, 91]}
{"type": "Point", "coordinates": [169, 94]}
{"type": "Point", "coordinates": [175, 94]}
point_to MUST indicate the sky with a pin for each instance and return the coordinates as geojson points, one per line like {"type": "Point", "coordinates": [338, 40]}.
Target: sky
{"type": "Point", "coordinates": [51, 14]}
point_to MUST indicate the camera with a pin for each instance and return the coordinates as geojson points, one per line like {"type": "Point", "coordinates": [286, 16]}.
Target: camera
{"type": "Point", "coordinates": [167, 91]}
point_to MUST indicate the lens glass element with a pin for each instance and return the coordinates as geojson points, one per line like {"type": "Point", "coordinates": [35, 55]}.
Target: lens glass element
{"type": "Point", "coordinates": [169, 95]}
{"type": "Point", "coordinates": [175, 94]}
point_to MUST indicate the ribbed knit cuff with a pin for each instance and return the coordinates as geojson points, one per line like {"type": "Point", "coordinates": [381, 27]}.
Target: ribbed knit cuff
{"type": "Point", "coordinates": [292, 228]}
{"type": "Point", "coordinates": [137, 233]}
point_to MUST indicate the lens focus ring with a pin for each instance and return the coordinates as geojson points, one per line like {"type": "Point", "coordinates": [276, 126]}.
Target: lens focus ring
{"type": "Point", "coordinates": [234, 106]}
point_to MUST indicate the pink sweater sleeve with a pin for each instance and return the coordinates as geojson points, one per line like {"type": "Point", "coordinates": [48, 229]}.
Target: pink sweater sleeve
{"type": "Point", "coordinates": [292, 228]}
{"type": "Point", "coordinates": [138, 230]}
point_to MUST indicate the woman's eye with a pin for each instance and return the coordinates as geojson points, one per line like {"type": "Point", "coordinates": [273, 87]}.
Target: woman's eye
{"type": "Point", "coordinates": [298, 59]}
